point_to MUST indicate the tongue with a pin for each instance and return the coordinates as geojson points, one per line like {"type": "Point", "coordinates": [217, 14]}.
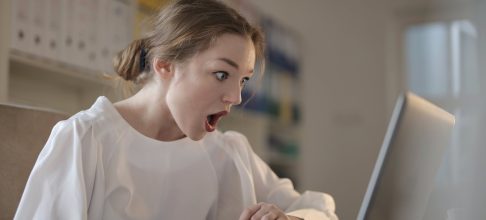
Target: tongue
{"type": "Point", "coordinates": [209, 127]}
{"type": "Point", "coordinates": [212, 120]}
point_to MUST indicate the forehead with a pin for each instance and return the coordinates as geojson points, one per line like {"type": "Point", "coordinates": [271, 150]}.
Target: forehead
{"type": "Point", "coordinates": [230, 46]}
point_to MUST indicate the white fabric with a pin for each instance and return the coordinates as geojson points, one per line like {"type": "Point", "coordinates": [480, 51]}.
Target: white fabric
{"type": "Point", "coordinates": [96, 166]}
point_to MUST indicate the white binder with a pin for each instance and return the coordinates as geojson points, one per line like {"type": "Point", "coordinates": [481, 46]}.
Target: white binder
{"type": "Point", "coordinates": [85, 27]}
{"type": "Point", "coordinates": [116, 30]}
{"type": "Point", "coordinates": [38, 10]}
{"type": "Point", "coordinates": [93, 41]}
{"type": "Point", "coordinates": [54, 29]}
{"type": "Point", "coordinates": [80, 31]}
{"type": "Point", "coordinates": [68, 40]}
{"type": "Point", "coordinates": [20, 30]}
{"type": "Point", "coordinates": [105, 29]}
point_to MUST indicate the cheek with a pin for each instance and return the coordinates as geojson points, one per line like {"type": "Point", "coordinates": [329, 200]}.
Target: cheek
{"type": "Point", "coordinates": [187, 103]}
{"type": "Point", "coordinates": [192, 97]}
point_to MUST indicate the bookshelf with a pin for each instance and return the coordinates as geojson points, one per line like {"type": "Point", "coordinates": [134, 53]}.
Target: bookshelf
{"type": "Point", "coordinates": [271, 120]}
{"type": "Point", "coordinates": [51, 84]}
{"type": "Point", "coordinates": [60, 83]}
{"type": "Point", "coordinates": [273, 112]}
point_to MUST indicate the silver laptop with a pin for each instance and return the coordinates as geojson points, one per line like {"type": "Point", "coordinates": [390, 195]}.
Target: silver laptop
{"type": "Point", "coordinates": [409, 159]}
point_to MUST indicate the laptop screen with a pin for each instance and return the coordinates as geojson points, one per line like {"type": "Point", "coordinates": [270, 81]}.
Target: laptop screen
{"type": "Point", "coordinates": [403, 177]}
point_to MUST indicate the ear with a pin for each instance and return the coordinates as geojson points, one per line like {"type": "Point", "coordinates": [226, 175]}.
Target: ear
{"type": "Point", "coordinates": [163, 68]}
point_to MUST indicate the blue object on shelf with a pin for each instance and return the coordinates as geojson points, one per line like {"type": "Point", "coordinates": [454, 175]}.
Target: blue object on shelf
{"type": "Point", "coordinates": [279, 59]}
{"type": "Point", "coordinates": [282, 147]}
{"type": "Point", "coordinates": [253, 102]}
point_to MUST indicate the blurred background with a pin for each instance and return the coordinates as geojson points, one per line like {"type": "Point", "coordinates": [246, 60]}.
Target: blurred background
{"type": "Point", "coordinates": [319, 113]}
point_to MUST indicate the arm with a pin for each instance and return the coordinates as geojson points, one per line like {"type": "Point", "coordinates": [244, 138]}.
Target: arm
{"type": "Point", "coordinates": [280, 192]}
{"type": "Point", "coordinates": [56, 188]}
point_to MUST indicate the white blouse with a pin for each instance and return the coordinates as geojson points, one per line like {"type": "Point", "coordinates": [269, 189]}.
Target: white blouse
{"type": "Point", "coordinates": [96, 166]}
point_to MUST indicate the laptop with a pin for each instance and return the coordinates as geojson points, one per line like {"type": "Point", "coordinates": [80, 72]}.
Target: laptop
{"type": "Point", "coordinates": [404, 174]}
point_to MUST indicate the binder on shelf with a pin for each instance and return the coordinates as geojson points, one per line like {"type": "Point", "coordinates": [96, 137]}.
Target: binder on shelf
{"type": "Point", "coordinates": [81, 30]}
{"type": "Point", "coordinates": [68, 49]}
{"type": "Point", "coordinates": [38, 38]}
{"type": "Point", "coordinates": [145, 10]}
{"type": "Point", "coordinates": [153, 5]}
{"type": "Point", "coordinates": [54, 29]}
{"type": "Point", "coordinates": [115, 17]}
{"type": "Point", "coordinates": [285, 98]}
{"type": "Point", "coordinates": [122, 20]}
{"type": "Point", "coordinates": [103, 51]}
{"type": "Point", "coordinates": [20, 21]}
{"type": "Point", "coordinates": [86, 22]}
{"type": "Point", "coordinates": [115, 31]}
{"type": "Point", "coordinates": [93, 40]}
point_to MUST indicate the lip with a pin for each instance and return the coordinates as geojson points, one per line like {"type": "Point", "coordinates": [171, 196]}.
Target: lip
{"type": "Point", "coordinates": [211, 126]}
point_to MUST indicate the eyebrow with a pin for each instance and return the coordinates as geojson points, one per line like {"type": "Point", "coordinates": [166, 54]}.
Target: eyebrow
{"type": "Point", "coordinates": [231, 63]}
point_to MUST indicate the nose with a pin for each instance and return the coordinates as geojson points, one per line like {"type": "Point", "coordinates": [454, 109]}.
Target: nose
{"type": "Point", "coordinates": [233, 97]}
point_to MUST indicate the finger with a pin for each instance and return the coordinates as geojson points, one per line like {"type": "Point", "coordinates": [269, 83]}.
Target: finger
{"type": "Point", "coordinates": [269, 216]}
{"type": "Point", "coordinates": [285, 217]}
{"type": "Point", "coordinates": [250, 211]}
{"type": "Point", "coordinates": [265, 209]}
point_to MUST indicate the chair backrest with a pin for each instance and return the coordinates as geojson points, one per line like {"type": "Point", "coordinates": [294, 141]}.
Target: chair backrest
{"type": "Point", "coordinates": [23, 133]}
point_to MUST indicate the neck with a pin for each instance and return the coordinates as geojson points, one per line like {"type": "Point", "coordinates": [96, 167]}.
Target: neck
{"type": "Point", "coordinates": [147, 112]}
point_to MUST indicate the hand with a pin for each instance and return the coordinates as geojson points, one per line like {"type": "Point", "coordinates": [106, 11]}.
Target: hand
{"type": "Point", "coordinates": [265, 211]}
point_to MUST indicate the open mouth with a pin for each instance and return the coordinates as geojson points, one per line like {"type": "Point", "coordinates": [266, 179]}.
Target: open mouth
{"type": "Point", "coordinates": [213, 119]}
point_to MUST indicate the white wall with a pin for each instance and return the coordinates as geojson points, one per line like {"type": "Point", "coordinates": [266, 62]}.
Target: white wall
{"type": "Point", "coordinates": [352, 73]}
{"type": "Point", "coordinates": [348, 80]}
{"type": "Point", "coordinates": [343, 81]}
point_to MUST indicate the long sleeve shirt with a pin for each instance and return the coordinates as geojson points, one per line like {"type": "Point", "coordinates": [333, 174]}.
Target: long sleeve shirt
{"type": "Point", "coordinates": [96, 166]}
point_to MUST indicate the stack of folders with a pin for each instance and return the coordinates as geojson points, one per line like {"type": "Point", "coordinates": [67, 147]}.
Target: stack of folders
{"type": "Point", "coordinates": [82, 33]}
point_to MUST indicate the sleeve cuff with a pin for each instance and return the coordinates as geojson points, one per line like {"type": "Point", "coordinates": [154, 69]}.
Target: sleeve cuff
{"type": "Point", "coordinates": [312, 214]}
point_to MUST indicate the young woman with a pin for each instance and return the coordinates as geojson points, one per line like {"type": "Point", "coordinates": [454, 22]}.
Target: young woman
{"type": "Point", "coordinates": [157, 154]}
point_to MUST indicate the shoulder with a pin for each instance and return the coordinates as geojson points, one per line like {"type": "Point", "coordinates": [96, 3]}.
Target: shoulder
{"type": "Point", "coordinates": [228, 138]}
{"type": "Point", "coordinates": [235, 138]}
{"type": "Point", "coordinates": [80, 135]}
{"type": "Point", "coordinates": [87, 121]}
{"type": "Point", "coordinates": [232, 142]}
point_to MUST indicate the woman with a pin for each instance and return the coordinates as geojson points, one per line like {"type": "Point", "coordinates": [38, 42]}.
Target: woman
{"type": "Point", "coordinates": [157, 154]}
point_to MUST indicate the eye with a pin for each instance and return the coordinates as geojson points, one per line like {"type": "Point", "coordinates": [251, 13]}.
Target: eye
{"type": "Point", "coordinates": [221, 75]}
{"type": "Point", "coordinates": [244, 81]}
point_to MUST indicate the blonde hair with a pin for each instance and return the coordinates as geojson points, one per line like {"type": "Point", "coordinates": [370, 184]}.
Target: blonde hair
{"type": "Point", "coordinates": [182, 29]}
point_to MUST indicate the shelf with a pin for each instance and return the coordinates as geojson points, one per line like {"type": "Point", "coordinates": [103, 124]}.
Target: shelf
{"type": "Point", "coordinates": [55, 70]}
{"type": "Point", "coordinates": [280, 159]}
{"type": "Point", "coordinates": [41, 82]}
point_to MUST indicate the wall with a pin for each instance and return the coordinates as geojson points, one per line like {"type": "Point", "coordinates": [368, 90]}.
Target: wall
{"type": "Point", "coordinates": [344, 93]}
{"type": "Point", "coordinates": [352, 73]}
{"type": "Point", "coordinates": [4, 45]}
{"type": "Point", "coordinates": [349, 81]}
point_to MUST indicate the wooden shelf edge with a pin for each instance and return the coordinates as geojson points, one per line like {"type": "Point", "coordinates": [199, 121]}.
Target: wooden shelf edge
{"type": "Point", "coordinates": [62, 69]}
